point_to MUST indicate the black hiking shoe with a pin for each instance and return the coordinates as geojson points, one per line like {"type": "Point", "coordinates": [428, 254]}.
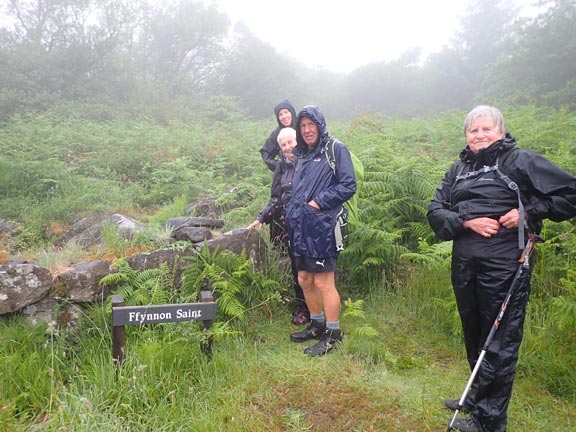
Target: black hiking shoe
{"type": "Point", "coordinates": [452, 405]}
{"type": "Point", "coordinates": [466, 424]}
{"type": "Point", "coordinates": [314, 331]}
{"type": "Point", "coordinates": [330, 339]}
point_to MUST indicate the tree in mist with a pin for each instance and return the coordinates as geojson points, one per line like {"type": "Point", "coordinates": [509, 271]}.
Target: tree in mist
{"type": "Point", "coordinates": [445, 82]}
{"type": "Point", "coordinates": [57, 50]}
{"type": "Point", "coordinates": [181, 45]}
{"type": "Point", "coordinates": [391, 87]}
{"type": "Point", "coordinates": [481, 42]}
{"type": "Point", "coordinates": [115, 51]}
{"type": "Point", "coordinates": [329, 90]}
{"type": "Point", "coordinates": [257, 74]}
{"type": "Point", "coordinates": [541, 60]}
{"type": "Point", "coordinates": [177, 58]}
{"type": "Point", "coordinates": [484, 29]}
{"type": "Point", "coordinates": [451, 78]}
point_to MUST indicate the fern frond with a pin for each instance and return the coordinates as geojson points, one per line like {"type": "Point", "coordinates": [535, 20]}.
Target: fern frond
{"type": "Point", "coordinates": [230, 305]}
{"type": "Point", "coordinates": [140, 297]}
{"type": "Point", "coordinates": [113, 279]}
{"type": "Point", "coordinates": [126, 291]}
{"type": "Point", "coordinates": [365, 331]}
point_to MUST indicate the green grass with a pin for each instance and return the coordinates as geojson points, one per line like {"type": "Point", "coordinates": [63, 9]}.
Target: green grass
{"type": "Point", "coordinates": [257, 380]}
{"type": "Point", "coordinates": [54, 171]}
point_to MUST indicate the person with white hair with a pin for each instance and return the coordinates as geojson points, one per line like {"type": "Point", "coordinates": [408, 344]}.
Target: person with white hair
{"type": "Point", "coordinates": [279, 199]}
{"type": "Point", "coordinates": [285, 114]}
{"type": "Point", "coordinates": [488, 203]}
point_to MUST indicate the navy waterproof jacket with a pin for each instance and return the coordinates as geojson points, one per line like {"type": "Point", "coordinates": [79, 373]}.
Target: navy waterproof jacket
{"type": "Point", "coordinates": [270, 150]}
{"type": "Point", "coordinates": [311, 230]}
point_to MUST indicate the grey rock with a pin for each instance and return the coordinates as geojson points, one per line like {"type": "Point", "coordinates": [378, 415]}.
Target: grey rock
{"type": "Point", "coordinates": [239, 240]}
{"type": "Point", "coordinates": [82, 282]}
{"type": "Point", "coordinates": [22, 285]}
{"type": "Point", "coordinates": [192, 234]}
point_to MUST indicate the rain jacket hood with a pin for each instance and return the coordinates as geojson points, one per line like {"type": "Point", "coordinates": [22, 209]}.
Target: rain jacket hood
{"type": "Point", "coordinates": [285, 104]}
{"type": "Point", "coordinates": [270, 150]}
{"type": "Point", "coordinates": [310, 229]}
{"type": "Point", "coordinates": [313, 113]}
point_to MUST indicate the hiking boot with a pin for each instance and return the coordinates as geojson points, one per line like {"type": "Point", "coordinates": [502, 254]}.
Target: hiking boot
{"type": "Point", "coordinates": [314, 331]}
{"type": "Point", "coordinates": [466, 424]}
{"type": "Point", "coordinates": [300, 317]}
{"type": "Point", "coordinates": [452, 405]}
{"type": "Point", "coordinates": [330, 339]}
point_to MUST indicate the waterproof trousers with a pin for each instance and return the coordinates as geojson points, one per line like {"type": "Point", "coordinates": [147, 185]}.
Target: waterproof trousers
{"type": "Point", "coordinates": [284, 245]}
{"type": "Point", "coordinates": [480, 286]}
{"type": "Point", "coordinates": [299, 301]}
{"type": "Point", "coordinates": [277, 230]}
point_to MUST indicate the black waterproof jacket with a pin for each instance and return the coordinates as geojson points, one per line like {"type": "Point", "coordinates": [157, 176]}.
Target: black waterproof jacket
{"type": "Point", "coordinates": [466, 192]}
{"type": "Point", "coordinates": [281, 192]}
{"type": "Point", "coordinates": [478, 185]}
{"type": "Point", "coordinates": [270, 150]}
{"type": "Point", "coordinates": [311, 230]}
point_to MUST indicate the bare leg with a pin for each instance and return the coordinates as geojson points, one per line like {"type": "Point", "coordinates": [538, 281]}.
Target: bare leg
{"type": "Point", "coordinates": [326, 286]}
{"type": "Point", "coordinates": [312, 295]}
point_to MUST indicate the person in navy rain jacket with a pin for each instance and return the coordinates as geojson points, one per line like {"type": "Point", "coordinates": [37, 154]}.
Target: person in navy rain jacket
{"type": "Point", "coordinates": [318, 194]}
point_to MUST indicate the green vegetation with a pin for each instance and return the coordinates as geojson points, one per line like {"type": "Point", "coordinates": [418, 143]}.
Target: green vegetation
{"type": "Point", "coordinates": [402, 353]}
{"type": "Point", "coordinates": [143, 107]}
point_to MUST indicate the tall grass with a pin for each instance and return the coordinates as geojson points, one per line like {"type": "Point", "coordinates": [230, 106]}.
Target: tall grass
{"type": "Point", "coordinates": [402, 353]}
{"type": "Point", "coordinates": [255, 380]}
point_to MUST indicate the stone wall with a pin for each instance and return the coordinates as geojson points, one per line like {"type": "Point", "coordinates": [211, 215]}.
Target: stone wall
{"type": "Point", "coordinates": [33, 291]}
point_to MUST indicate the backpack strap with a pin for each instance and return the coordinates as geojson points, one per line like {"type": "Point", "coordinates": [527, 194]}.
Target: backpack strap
{"type": "Point", "coordinates": [340, 231]}
{"type": "Point", "coordinates": [509, 182]}
{"type": "Point", "coordinates": [483, 170]}
{"type": "Point", "coordinates": [521, 212]}
{"type": "Point", "coordinates": [330, 155]}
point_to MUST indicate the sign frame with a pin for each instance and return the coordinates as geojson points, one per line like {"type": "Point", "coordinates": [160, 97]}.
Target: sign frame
{"type": "Point", "coordinates": [204, 311]}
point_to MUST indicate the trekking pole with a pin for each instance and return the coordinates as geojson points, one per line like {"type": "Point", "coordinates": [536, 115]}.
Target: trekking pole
{"type": "Point", "coordinates": [518, 278]}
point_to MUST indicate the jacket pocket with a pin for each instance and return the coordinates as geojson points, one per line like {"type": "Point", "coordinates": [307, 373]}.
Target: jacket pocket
{"type": "Point", "coordinates": [317, 232]}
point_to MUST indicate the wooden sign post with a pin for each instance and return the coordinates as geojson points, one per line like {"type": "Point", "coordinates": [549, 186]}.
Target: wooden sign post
{"type": "Point", "coordinates": [122, 316]}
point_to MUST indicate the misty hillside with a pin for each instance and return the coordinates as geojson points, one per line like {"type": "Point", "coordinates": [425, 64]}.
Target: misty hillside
{"type": "Point", "coordinates": [173, 59]}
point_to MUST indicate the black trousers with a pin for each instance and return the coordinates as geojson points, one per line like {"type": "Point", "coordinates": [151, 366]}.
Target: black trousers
{"type": "Point", "coordinates": [300, 302]}
{"type": "Point", "coordinates": [277, 231]}
{"type": "Point", "coordinates": [480, 286]}
{"type": "Point", "coordinates": [279, 239]}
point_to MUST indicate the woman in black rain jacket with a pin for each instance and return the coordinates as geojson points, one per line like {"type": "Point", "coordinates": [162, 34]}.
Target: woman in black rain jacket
{"type": "Point", "coordinates": [477, 206]}
{"type": "Point", "coordinates": [286, 117]}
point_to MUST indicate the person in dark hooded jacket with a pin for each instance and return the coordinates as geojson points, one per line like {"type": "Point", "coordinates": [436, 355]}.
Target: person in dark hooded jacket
{"type": "Point", "coordinates": [279, 199]}
{"type": "Point", "coordinates": [270, 151]}
{"type": "Point", "coordinates": [318, 193]}
{"type": "Point", "coordinates": [478, 208]}
{"type": "Point", "coordinates": [286, 117]}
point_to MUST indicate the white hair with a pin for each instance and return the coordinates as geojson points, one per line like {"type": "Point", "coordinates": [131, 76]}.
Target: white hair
{"type": "Point", "coordinates": [286, 132]}
{"type": "Point", "coordinates": [485, 111]}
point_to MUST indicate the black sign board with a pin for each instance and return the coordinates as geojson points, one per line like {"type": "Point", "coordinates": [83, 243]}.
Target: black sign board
{"type": "Point", "coordinates": [154, 314]}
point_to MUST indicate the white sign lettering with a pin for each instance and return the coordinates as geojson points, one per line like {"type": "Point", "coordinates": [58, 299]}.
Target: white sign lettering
{"type": "Point", "coordinates": [151, 314]}
{"type": "Point", "coordinates": [190, 313]}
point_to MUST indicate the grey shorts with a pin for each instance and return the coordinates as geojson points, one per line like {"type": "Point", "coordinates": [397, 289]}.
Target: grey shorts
{"type": "Point", "coordinates": [315, 265]}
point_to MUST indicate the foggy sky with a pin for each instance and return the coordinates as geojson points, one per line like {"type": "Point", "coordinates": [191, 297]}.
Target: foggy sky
{"type": "Point", "coordinates": [341, 35]}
